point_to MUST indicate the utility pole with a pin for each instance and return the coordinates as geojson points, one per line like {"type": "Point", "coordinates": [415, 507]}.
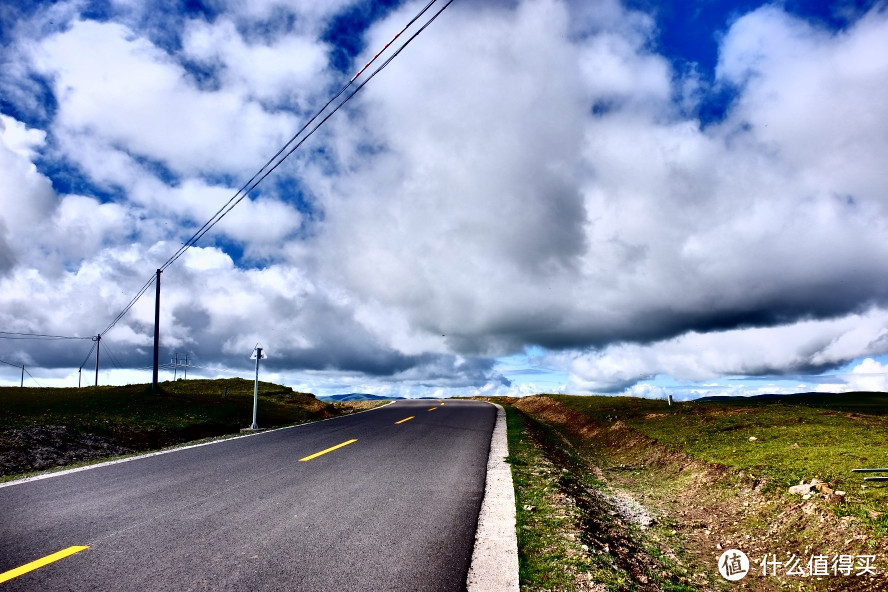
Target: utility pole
{"type": "Point", "coordinates": [175, 367]}
{"type": "Point", "coordinates": [186, 366]}
{"type": "Point", "coordinates": [98, 348]}
{"type": "Point", "coordinates": [22, 385]}
{"type": "Point", "coordinates": [156, 331]}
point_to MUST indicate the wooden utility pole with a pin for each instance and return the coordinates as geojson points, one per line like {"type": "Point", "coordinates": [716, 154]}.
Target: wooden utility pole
{"type": "Point", "coordinates": [156, 331]}
{"type": "Point", "coordinates": [98, 348]}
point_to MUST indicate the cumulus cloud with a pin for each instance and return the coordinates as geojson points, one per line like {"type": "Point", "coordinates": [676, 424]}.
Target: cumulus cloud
{"type": "Point", "coordinates": [869, 375]}
{"type": "Point", "coordinates": [802, 347]}
{"type": "Point", "coordinates": [283, 72]}
{"type": "Point", "coordinates": [525, 174]}
{"type": "Point", "coordinates": [26, 195]}
{"type": "Point", "coordinates": [542, 206]}
{"type": "Point", "coordinates": [159, 113]}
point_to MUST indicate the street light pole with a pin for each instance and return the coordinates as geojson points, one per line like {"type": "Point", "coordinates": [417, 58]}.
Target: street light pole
{"type": "Point", "coordinates": [255, 426]}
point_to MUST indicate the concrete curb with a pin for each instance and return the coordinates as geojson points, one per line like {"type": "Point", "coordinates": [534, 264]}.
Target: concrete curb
{"type": "Point", "coordinates": [494, 566]}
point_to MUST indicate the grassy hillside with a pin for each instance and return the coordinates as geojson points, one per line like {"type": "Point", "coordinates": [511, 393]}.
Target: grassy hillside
{"type": "Point", "coordinates": [184, 410]}
{"type": "Point", "coordinates": [796, 438]}
{"type": "Point", "coordinates": [716, 476]}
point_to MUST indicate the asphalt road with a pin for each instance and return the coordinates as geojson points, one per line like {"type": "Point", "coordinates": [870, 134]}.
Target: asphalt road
{"type": "Point", "coordinates": [394, 510]}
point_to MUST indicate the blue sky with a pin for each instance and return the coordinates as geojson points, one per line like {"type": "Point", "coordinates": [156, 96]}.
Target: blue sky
{"type": "Point", "coordinates": [643, 198]}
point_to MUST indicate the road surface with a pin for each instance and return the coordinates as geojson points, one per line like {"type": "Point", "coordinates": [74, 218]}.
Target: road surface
{"type": "Point", "coordinates": [392, 505]}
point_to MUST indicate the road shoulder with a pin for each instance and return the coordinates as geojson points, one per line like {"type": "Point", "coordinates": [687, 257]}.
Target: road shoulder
{"type": "Point", "coordinates": [494, 565]}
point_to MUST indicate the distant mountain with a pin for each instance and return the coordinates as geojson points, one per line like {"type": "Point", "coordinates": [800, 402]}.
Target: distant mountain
{"type": "Point", "coordinates": [356, 397]}
{"type": "Point", "coordinates": [837, 397]}
{"type": "Point", "coordinates": [717, 398]}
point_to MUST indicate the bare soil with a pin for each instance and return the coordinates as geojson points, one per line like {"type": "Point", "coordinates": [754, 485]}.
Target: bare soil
{"type": "Point", "coordinates": [36, 448]}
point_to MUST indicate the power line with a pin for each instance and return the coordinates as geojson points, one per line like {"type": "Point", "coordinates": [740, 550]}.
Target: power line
{"type": "Point", "coordinates": [24, 371]}
{"type": "Point", "coordinates": [111, 355]}
{"type": "Point", "coordinates": [218, 370]}
{"type": "Point", "coordinates": [12, 335]}
{"type": "Point", "coordinates": [91, 350]}
{"type": "Point", "coordinates": [32, 377]}
{"type": "Point", "coordinates": [275, 161]}
{"type": "Point", "coordinates": [281, 155]}
{"type": "Point", "coordinates": [132, 303]}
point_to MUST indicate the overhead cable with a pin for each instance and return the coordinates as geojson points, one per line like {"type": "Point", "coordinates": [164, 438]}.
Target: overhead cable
{"type": "Point", "coordinates": [86, 359]}
{"type": "Point", "coordinates": [132, 303]}
{"type": "Point", "coordinates": [275, 161]}
{"type": "Point", "coordinates": [12, 335]}
{"type": "Point", "coordinates": [32, 377]}
{"type": "Point", "coordinates": [287, 149]}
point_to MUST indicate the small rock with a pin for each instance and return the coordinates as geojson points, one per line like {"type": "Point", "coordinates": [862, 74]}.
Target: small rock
{"type": "Point", "coordinates": [873, 515]}
{"type": "Point", "coordinates": [528, 508]}
{"type": "Point", "coordinates": [801, 489]}
{"type": "Point", "coordinates": [835, 498]}
{"type": "Point", "coordinates": [752, 438]}
{"type": "Point", "coordinates": [796, 445]}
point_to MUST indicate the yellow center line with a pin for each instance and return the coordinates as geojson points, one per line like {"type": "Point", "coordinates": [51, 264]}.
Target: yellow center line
{"type": "Point", "coordinates": [14, 573]}
{"type": "Point", "coordinates": [433, 408]}
{"type": "Point", "coordinates": [405, 419]}
{"type": "Point", "coordinates": [331, 449]}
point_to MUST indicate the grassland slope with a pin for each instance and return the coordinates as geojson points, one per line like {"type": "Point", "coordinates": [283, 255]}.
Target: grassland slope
{"type": "Point", "coordinates": [716, 476]}
{"type": "Point", "coordinates": [45, 427]}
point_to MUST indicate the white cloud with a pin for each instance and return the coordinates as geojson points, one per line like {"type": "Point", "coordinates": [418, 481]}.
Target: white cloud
{"type": "Point", "coordinates": [487, 202]}
{"type": "Point", "coordinates": [802, 346]}
{"type": "Point", "coordinates": [869, 375]}
{"type": "Point", "coordinates": [813, 97]}
{"type": "Point", "coordinates": [524, 173]}
{"type": "Point", "coordinates": [286, 70]}
{"type": "Point", "coordinates": [26, 195]}
{"type": "Point", "coordinates": [120, 88]}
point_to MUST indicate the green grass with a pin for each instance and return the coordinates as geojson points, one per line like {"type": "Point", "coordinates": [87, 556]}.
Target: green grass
{"type": "Point", "coordinates": [548, 558]}
{"type": "Point", "coordinates": [182, 410]}
{"type": "Point", "coordinates": [694, 463]}
{"type": "Point", "coordinates": [797, 438]}
{"type": "Point", "coordinates": [568, 537]}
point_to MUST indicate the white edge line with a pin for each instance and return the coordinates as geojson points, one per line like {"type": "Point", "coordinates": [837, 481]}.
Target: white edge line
{"type": "Point", "coordinates": [170, 450]}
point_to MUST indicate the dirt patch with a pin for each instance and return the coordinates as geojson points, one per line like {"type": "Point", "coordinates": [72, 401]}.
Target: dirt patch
{"type": "Point", "coordinates": [36, 448]}
{"type": "Point", "coordinates": [552, 411]}
{"type": "Point", "coordinates": [609, 525]}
